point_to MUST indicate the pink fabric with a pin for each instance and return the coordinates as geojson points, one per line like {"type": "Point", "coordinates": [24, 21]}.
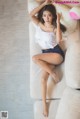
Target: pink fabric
{"type": "Point", "coordinates": [74, 15]}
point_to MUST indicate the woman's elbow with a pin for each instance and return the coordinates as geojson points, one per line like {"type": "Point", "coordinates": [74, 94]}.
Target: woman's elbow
{"type": "Point", "coordinates": [30, 14]}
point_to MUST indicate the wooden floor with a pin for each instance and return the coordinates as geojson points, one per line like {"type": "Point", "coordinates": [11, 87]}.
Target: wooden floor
{"type": "Point", "coordinates": [14, 60]}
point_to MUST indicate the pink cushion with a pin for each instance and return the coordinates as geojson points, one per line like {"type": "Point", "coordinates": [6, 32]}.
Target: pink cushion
{"type": "Point", "coordinates": [74, 15]}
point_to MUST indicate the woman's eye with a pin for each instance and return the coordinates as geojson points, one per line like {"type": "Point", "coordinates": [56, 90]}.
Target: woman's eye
{"type": "Point", "coordinates": [44, 15]}
{"type": "Point", "coordinates": [49, 15]}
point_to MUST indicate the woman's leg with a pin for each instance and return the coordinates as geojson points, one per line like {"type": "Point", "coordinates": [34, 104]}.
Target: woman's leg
{"type": "Point", "coordinates": [45, 59]}
{"type": "Point", "coordinates": [44, 80]}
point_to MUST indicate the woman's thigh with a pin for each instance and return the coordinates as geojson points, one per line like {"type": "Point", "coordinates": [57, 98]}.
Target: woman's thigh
{"type": "Point", "coordinates": [51, 58]}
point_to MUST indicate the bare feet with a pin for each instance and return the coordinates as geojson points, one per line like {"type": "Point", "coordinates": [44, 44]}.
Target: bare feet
{"type": "Point", "coordinates": [55, 77]}
{"type": "Point", "coordinates": [45, 110]}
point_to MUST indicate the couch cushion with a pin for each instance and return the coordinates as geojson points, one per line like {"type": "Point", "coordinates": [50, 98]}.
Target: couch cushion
{"type": "Point", "coordinates": [32, 4]}
{"type": "Point", "coordinates": [72, 60]}
{"type": "Point", "coordinates": [69, 107]}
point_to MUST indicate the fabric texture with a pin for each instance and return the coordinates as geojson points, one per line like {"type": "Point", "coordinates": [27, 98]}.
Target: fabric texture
{"type": "Point", "coordinates": [69, 107]}
{"type": "Point", "coordinates": [45, 39]}
{"type": "Point", "coordinates": [72, 60]}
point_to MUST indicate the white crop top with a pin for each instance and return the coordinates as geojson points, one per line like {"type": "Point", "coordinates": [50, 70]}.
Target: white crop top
{"type": "Point", "coordinates": [46, 40]}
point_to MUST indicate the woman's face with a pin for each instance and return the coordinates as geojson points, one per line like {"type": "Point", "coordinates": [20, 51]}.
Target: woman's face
{"type": "Point", "coordinates": [47, 16]}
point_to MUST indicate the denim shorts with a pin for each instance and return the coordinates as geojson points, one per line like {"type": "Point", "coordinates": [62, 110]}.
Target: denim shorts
{"type": "Point", "coordinates": [56, 49]}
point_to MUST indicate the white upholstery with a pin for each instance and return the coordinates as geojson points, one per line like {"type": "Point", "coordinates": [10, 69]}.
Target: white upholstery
{"type": "Point", "coordinates": [72, 60]}
{"type": "Point", "coordinates": [69, 107]}
{"type": "Point", "coordinates": [32, 4]}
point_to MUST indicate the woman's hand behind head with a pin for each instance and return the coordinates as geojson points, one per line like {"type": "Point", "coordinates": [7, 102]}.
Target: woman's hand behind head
{"type": "Point", "coordinates": [59, 17]}
{"type": "Point", "coordinates": [47, 2]}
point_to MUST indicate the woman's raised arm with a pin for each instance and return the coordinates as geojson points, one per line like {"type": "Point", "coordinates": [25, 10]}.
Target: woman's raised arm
{"type": "Point", "coordinates": [58, 30]}
{"type": "Point", "coordinates": [36, 10]}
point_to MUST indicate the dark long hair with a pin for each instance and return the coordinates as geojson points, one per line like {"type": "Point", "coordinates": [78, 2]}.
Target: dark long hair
{"type": "Point", "coordinates": [52, 10]}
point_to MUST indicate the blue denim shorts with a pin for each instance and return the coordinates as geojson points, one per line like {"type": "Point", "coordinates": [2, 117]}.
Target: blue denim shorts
{"type": "Point", "coordinates": [56, 49]}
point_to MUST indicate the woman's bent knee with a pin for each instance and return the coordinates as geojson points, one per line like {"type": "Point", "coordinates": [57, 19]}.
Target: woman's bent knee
{"type": "Point", "coordinates": [35, 59]}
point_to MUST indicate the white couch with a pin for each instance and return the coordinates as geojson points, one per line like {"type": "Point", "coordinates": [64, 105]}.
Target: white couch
{"type": "Point", "coordinates": [68, 71]}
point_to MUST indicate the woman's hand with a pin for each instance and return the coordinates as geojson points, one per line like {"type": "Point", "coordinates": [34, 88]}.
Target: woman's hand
{"type": "Point", "coordinates": [58, 17]}
{"type": "Point", "coordinates": [52, 2]}
{"type": "Point", "coordinates": [47, 2]}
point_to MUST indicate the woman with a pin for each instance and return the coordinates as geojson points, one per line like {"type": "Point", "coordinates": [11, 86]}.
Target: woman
{"type": "Point", "coordinates": [49, 35]}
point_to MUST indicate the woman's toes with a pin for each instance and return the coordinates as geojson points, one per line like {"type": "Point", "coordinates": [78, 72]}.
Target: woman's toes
{"type": "Point", "coordinates": [45, 111]}
{"type": "Point", "coordinates": [55, 77]}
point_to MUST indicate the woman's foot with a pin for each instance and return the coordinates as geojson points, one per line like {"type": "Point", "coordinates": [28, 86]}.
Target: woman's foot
{"type": "Point", "coordinates": [55, 77]}
{"type": "Point", "coordinates": [45, 110]}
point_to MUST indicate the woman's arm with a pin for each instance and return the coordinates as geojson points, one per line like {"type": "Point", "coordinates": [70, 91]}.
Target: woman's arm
{"type": "Point", "coordinates": [40, 1]}
{"type": "Point", "coordinates": [58, 30]}
{"type": "Point", "coordinates": [35, 11]}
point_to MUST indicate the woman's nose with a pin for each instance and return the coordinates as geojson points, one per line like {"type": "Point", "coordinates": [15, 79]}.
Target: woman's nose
{"type": "Point", "coordinates": [47, 17]}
